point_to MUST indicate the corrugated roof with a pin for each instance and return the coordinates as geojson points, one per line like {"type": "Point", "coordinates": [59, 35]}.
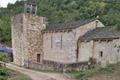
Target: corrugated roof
{"type": "Point", "coordinates": [101, 33]}
{"type": "Point", "coordinates": [71, 25]}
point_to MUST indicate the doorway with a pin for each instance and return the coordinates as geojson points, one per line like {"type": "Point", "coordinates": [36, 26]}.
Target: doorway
{"type": "Point", "coordinates": [38, 57]}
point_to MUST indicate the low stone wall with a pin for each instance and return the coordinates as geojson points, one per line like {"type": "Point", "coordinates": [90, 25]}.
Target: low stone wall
{"type": "Point", "coordinates": [58, 67]}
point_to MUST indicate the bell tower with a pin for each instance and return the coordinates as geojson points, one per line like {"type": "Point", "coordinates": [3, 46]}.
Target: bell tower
{"type": "Point", "coordinates": [30, 7]}
{"type": "Point", "coordinates": [27, 36]}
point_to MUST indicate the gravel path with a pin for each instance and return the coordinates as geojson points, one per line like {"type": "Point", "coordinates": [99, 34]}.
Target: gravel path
{"type": "Point", "coordinates": [36, 75]}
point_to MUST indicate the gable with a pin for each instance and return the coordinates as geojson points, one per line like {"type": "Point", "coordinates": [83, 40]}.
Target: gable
{"type": "Point", "coordinates": [81, 30]}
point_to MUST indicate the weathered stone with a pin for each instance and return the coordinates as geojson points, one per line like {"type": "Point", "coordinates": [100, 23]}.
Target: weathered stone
{"type": "Point", "coordinates": [57, 50]}
{"type": "Point", "coordinates": [68, 52]}
{"type": "Point", "coordinates": [27, 37]}
{"type": "Point", "coordinates": [93, 49]}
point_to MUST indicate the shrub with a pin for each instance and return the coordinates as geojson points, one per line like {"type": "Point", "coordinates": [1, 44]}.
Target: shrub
{"type": "Point", "coordinates": [3, 72]}
{"type": "Point", "coordinates": [2, 56]}
{"type": "Point", "coordinates": [3, 78]}
{"type": "Point", "coordinates": [109, 69]}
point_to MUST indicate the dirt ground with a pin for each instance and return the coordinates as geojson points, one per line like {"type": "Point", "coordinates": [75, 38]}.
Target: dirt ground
{"type": "Point", "coordinates": [36, 75]}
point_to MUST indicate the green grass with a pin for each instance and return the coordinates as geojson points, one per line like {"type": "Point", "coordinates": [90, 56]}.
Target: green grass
{"type": "Point", "coordinates": [2, 56]}
{"type": "Point", "coordinates": [20, 77]}
{"type": "Point", "coordinates": [6, 74]}
{"type": "Point", "coordinates": [96, 71]}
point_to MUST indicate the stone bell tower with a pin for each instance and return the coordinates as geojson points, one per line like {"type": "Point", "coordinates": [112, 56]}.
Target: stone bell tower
{"type": "Point", "coordinates": [30, 8]}
{"type": "Point", "coordinates": [27, 37]}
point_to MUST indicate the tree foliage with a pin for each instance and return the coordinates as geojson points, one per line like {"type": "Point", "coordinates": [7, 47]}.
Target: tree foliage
{"type": "Point", "coordinates": [62, 11]}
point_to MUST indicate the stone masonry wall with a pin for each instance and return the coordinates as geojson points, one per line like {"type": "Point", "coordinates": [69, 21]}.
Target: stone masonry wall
{"type": "Point", "coordinates": [33, 26]}
{"type": "Point", "coordinates": [59, 67]}
{"type": "Point", "coordinates": [110, 51]}
{"type": "Point", "coordinates": [66, 54]}
{"type": "Point", "coordinates": [27, 37]}
{"type": "Point", "coordinates": [57, 53]}
{"type": "Point", "coordinates": [85, 51]}
{"type": "Point", "coordinates": [17, 28]}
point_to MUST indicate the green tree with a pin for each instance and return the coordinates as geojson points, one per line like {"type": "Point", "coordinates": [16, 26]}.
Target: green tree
{"type": "Point", "coordinates": [61, 11]}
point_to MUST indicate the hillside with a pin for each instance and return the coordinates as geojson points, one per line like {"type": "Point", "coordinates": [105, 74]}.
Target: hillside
{"type": "Point", "coordinates": [62, 11]}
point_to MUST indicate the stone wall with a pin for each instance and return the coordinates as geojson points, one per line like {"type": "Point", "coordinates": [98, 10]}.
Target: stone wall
{"type": "Point", "coordinates": [17, 26]}
{"type": "Point", "coordinates": [110, 50]}
{"type": "Point", "coordinates": [68, 52]}
{"type": "Point", "coordinates": [57, 53]}
{"type": "Point", "coordinates": [27, 37]}
{"type": "Point", "coordinates": [85, 51]}
{"type": "Point", "coordinates": [59, 67]}
{"type": "Point", "coordinates": [33, 26]}
{"type": "Point", "coordinates": [58, 50]}
{"type": "Point", "coordinates": [104, 51]}
{"type": "Point", "coordinates": [87, 27]}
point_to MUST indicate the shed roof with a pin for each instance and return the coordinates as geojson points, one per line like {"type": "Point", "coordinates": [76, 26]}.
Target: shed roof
{"type": "Point", "coordinates": [71, 25]}
{"type": "Point", "coordinates": [101, 33]}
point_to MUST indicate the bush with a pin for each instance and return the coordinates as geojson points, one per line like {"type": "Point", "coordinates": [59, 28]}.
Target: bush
{"type": "Point", "coordinates": [109, 69]}
{"type": "Point", "coordinates": [3, 72]}
{"type": "Point", "coordinates": [20, 77]}
{"type": "Point", "coordinates": [3, 78]}
{"type": "Point", "coordinates": [2, 56]}
{"type": "Point", "coordinates": [6, 74]}
{"type": "Point", "coordinates": [86, 73]}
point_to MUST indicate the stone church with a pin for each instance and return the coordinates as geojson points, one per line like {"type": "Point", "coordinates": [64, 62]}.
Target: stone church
{"type": "Point", "coordinates": [36, 43]}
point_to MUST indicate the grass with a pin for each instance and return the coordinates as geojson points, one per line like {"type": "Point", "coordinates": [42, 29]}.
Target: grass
{"type": "Point", "coordinates": [96, 71]}
{"type": "Point", "coordinates": [6, 74]}
{"type": "Point", "coordinates": [2, 56]}
{"type": "Point", "coordinates": [17, 76]}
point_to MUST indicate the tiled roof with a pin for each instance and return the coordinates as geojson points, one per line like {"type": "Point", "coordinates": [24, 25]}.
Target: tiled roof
{"type": "Point", "coordinates": [71, 25]}
{"type": "Point", "coordinates": [101, 33]}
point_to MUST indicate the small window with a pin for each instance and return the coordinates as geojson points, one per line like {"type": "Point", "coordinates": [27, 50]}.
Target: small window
{"type": "Point", "coordinates": [38, 57]}
{"type": "Point", "coordinates": [101, 53]}
{"type": "Point", "coordinates": [118, 50]}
